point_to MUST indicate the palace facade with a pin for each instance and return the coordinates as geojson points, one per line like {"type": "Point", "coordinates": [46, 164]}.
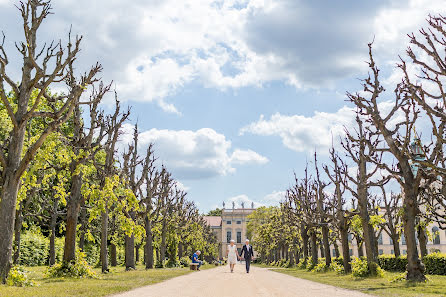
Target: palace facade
{"type": "Point", "coordinates": [232, 224]}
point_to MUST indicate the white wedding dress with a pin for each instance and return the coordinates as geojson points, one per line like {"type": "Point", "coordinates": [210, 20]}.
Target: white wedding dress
{"type": "Point", "coordinates": [232, 254]}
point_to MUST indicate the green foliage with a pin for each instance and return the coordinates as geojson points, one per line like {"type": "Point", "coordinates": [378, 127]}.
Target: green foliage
{"type": "Point", "coordinates": [215, 212]}
{"type": "Point", "coordinates": [435, 263]}
{"type": "Point", "coordinates": [77, 269]}
{"type": "Point", "coordinates": [336, 267]}
{"type": "Point", "coordinates": [302, 263]}
{"type": "Point", "coordinates": [392, 263]}
{"type": "Point", "coordinates": [310, 265]}
{"type": "Point", "coordinates": [18, 277]}
{"type": "Point", "coordinates": [34, 248]}
{"type": "Point", "coordinates": [360, 268]}
{"type": "Point", "coordinates": [185, 261]}
{"type": "Point", "coordinates": [321, 266]}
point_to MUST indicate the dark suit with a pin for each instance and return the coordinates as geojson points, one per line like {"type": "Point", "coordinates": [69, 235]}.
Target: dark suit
{"type": "Point", "coordinates": [249, 254]}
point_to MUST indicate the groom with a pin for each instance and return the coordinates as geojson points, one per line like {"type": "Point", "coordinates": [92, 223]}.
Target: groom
{"type": "Point", "coordinates": [249, 254]}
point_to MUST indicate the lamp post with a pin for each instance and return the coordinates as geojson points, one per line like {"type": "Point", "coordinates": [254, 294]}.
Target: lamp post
{"type": "Point", "coordinates": [417, 153]}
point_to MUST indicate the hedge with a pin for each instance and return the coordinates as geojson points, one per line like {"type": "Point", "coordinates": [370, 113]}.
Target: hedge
{"type": "Point", "coordinates": [435, 263]}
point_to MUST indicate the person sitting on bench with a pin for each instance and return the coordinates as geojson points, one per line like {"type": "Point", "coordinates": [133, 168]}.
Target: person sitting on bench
{"type": "Point", "coordinates": [195, 259]}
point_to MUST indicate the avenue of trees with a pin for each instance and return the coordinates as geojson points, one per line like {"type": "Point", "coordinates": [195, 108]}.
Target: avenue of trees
{"type": "Point", "coordinates": [381, 149]}
{"type": "Point", "coordinates": [64, 171]}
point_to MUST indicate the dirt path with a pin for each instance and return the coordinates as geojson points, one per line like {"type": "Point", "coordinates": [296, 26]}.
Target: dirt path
{"type": "Point", "coordinates": [219, 282]}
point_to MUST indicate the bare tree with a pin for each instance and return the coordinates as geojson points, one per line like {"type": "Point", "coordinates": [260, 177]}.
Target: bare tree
{"type": "Point", "coordinates": [341, 216]}
{"type": "Point", "coordinates": [397, 139]}
{"type": "Point", "coordinates": [41, 69]}
{"type": "Point", "coordinates": [322, 211]}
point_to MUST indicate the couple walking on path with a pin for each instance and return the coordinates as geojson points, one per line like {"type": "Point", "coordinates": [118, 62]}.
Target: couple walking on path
{"type": "Point", "coordinates": [233, 255]}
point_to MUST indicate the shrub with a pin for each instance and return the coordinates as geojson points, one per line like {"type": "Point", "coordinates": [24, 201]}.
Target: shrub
{"type": "Point", "coordinates": [34, 248]}
{"type": "Point", "coordinates": [302, 263]}
{"type": "Point", "coordinates": [185, 261]}
{"type": "Point", "coordinates": [360, 268]}
{"type": "Point", "coordinates": [336, 267]}
{"type": "Point", "coordinates": [79, 269]}
{"type": "Point", "coordinates": [435, 263]}
{"type": "Point", "coordinates": [320, 267]}
{"type": "Point", "coordinates": [18, 277]}
{"type": "Point", "coordinates": [392, 263]}
{"type": "Point", "coordinates": [310, 264]}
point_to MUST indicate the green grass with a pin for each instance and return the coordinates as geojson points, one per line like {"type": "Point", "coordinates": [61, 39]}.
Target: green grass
{"type": "Point", "coordinates": [436, 286]}
{"type": "Point", "coordinates": [117, 281]}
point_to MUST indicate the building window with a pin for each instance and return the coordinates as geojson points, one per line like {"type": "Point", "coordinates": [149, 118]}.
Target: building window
{"type": "Point", "coordinates": [333, 252]}
{"type": "Point", "coordinates": [351, 252]}
{"type": "Point", "coordinates": [404, 252]}
{"type": "Point", "coordinates": [380, 238]}
{"type": "Point", "coordinates": [239, 237]}
{"type": "Point", "coordinates": [239, 222]}
{"type": "Point", "coordinates": [403, 239]}
{"type": "Point", "coordinates": [350, 237]}
{"type": "Point", "coordinates": [228, 236]}
{"type": "Point", "coordinates": [239, 250]}
{"type": "Point", "coordinates": [392, 252]}
{"type": "Point", "coordinates": [380, 251]}
{"type": "Point", "coordinates": [228, 222]}
{"type": "Point", "coordinates": [436, 235]}
{"type": "Point", "coordinates": [391, 240]}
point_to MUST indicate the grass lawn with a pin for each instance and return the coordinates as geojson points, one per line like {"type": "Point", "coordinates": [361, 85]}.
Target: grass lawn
{"type": "Point", "coordinates": [436, 286]}
{"type": "Point", "coordinates": [117, 281]}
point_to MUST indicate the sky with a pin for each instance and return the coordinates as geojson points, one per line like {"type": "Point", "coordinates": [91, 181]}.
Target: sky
{"type": "Point", "coordinates": [236, 95]}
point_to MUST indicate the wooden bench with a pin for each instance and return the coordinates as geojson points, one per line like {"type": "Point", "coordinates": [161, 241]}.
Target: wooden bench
{"type": "Point", "coordinates": [193, 266]}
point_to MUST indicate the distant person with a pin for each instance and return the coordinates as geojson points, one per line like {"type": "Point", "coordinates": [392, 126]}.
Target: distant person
{"type": "Point", "coordinates": [196, 260]}
{"type": "Point", "coordinates": [249, 254]}
{"type": "Point", "coordinates": [232, 254]}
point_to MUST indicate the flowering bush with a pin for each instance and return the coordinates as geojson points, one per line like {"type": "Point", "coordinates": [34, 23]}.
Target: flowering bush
{"type": "Point", "coordinates": [18, 277]}
{"type": "Point", "coordinates": [80, 268]}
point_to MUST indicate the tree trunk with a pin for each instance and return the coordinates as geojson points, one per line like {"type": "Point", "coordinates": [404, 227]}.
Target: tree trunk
{"type": "Point", "coordinates": [17, 233]}
{"type": "Point", "coordinates": [422, 239]}
{"type": "Point", "coordinates": [52, 257]}
{"type": "Point", "coordinates": [104, 237]}
{"type": "Point", "coordinates": [113, 259]}
{"type": "Point", "coordinates": [396, 244]}
{"type": "Point", "coordinates": [343, 230]}
{"type": "Point", "coordinates": [359, 243]}
{"type": "Point", "coordinates": [7, 218]}
{"type": "Point", "coordinates": [137, 252]}
{"type": "Point", "coordinates": [73, 207]}
{"type": "Point", "coordinates": [367, 229]}
{"type": "Point", "coordinates": [326, 243]}
{"type": "Point", "coordinates": [149, 243]}
{"type": "Point", "coordinates": [336, 248]}
{"type": "Point", "coordinates": [83, 229]}
{"type": "Point", "coordinates": [314, 256]}
{"type": "Point", "coordinates": [130, 252]}
{"type": "Point", "coordinates": [415, 268]}
{"type": "Point", "coordinates": [304, 234]}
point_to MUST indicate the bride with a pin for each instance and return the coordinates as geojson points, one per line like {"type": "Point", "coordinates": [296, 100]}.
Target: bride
{"type": "Point", "coordinates": [232, 254]}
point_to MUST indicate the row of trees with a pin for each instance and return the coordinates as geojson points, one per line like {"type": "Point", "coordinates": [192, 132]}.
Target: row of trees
{"type": "Point", "coordinates": [61, 169]}
{"type": "Point", "coordinates": [383, 147]}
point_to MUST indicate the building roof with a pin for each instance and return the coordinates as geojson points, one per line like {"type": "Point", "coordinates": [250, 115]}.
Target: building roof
{"type": "Point", "coordinates": [213, 221]}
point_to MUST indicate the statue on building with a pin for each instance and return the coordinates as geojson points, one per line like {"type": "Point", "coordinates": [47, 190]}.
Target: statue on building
{"type": "Point", "coordinates": [243, 204]}
{"type": "Point", "coordinates": [233, 204]}
{"type": "Point", "coordinates": [252, 205]}
{"type": "Point", "coordinates": [223, 205]}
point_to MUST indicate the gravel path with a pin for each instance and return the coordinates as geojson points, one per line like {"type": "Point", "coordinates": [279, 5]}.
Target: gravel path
{"type": "Point", "coordinates": [219, 282]}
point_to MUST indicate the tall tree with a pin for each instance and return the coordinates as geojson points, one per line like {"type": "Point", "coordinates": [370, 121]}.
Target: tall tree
{"type": "Point", "coordinates": [41, 69]}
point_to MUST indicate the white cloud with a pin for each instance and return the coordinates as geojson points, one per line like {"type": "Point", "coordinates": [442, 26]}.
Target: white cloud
{"type": "Point", "coordinates": [272, 199]}
{"type": "Point", "coordinates": [194, 154]}
{"type": "Point", "coordinates": [301, 133]}
{"type": "Point", "coordinates": [247, 156]}
{"type": "Point", "coordinates": [239, 199]}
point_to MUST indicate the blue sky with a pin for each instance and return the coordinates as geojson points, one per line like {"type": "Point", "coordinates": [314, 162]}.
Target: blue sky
{"type": "Point", "coordinates": [235, 94]}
